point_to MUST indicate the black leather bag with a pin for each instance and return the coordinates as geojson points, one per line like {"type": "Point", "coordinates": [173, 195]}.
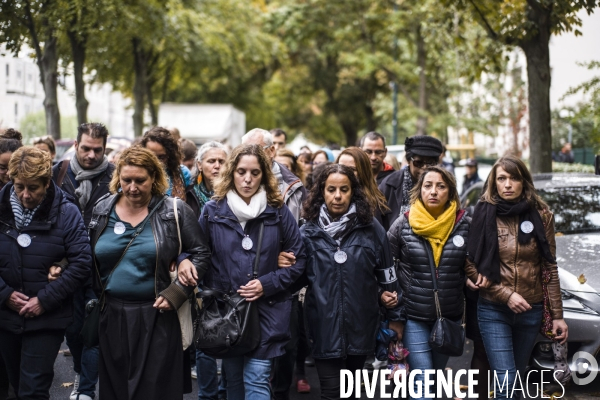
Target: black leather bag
{"type": "Point", "coordinates": [228, 325]}
{"type": "Point", "coordinates": [447, 337]}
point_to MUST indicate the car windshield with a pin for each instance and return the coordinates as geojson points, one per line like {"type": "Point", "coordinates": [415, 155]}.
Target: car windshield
{"type": "Point", "coordinates": [576, 209]}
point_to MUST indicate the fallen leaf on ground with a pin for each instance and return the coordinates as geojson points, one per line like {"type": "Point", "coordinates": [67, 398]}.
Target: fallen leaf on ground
{"type": "Point", "coordinates": [67, 384]}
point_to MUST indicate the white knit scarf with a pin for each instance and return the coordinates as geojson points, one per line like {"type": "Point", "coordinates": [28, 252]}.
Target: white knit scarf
{"type": "Point", "coordinates": [245, 212]}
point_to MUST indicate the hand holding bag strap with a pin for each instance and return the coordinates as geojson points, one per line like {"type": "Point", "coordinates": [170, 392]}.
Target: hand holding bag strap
{"type": "Point", "coordinates": [258, 248]}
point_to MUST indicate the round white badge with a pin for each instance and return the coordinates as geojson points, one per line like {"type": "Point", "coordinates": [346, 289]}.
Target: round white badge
{"type": "Point", "coordinates": [340, 256]}
{"type": "Point", "coordinates": [458, 241]}
{"type": "Point", "coordinates": [247, 243]}
{"type": "Point", "coordinates": [119, 228]}
{"type": "Point", "coordinates": [527, 227]}
{"type": "Point", "coordinates": [24, 240]}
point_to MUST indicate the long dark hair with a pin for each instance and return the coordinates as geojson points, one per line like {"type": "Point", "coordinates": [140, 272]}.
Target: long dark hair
{"type": "Point", "coordinates": [10, 141]}
{"type": "Point", "coordinates": [163, 137]}
{"type": "Point", "coordinates": [311, 207]}
{"type": "Point", "coordinates": [517, 170]}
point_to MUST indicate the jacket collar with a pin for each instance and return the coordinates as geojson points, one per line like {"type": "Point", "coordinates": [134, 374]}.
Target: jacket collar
{"type": "Point", "coordinates": [106, 203]}
{"type": "Point", "coordinates": [43, 218]}
{"type": "Point", "coordinates": [312, 228]}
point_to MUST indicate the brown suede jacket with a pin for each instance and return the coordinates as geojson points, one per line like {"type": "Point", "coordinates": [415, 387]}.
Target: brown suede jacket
{"type": "Point", "coordinates": [520, 266]}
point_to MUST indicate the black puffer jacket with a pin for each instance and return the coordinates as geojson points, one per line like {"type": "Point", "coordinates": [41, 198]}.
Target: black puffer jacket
{"type": "Point", "coordinates": [414, 271]}
{"type": "Point", "coordinates": [193, 243]}
{"type": "Point", "coordinates": [56, 232]}
{"type": "Point", "coordinates": [342, 300]}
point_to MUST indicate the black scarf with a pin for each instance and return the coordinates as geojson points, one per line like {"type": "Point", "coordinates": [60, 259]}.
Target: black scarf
{"type": "Point", "coordinates": [483, 234]}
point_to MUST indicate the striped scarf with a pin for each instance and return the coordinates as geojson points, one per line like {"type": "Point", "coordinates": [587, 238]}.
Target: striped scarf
{"type": "Point", "coordinates": [23, 216]}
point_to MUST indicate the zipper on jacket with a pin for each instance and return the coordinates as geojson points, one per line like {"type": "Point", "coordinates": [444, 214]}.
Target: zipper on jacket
{"type": "Point", "coordinates": [156, 263]}
{"type": "Point", "coordinates": [94, 246]}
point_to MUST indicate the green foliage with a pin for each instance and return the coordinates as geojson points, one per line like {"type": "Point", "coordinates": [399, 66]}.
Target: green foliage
{"type": "Point", "coordinates": [34, 125]}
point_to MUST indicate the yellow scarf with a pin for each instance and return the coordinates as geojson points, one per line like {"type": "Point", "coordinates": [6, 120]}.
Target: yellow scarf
{"type": "Point", "coordinates": [436, 231]}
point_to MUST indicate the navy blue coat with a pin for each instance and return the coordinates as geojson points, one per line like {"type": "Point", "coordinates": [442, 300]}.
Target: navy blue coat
{"type": "Point", "coordinates": [232, 266]}
{"type": "Point", "coordinates": [57, 232]}
{"type": "Point", "coordinates": [342, 300]}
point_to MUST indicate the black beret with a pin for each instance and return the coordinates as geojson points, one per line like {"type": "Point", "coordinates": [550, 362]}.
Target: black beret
{"type": "Point", "coordinates": [424, 146]}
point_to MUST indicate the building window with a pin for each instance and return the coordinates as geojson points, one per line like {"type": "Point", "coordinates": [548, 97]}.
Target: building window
{"type": "Point", "coordinates": [7, 70]}
{"type": "Point", "coordinates": [18, 74]}
{"type": "Point", "coordinates": [16, 110]}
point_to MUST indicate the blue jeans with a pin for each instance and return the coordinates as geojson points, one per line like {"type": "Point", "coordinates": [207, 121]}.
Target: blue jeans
{"type": "Point", "coordinates": [209, 386]}
{"type": "Point", "coordinates": [416, 340]}
{"type": "Point", "coordinates": [247, 378]}
{"type": "Point", "coordinates": [508, 340]}
{"type": "Point", "coordinates": [88, 377]}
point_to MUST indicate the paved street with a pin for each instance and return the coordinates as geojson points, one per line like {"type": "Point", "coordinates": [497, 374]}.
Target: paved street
{"type": "Point", "coordinates": [64, 374]}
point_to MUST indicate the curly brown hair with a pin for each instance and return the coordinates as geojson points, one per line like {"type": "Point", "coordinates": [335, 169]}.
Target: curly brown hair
{"type": "Point", "coordinates": [164, 137]}
{"type": "Point", "coordinates": [311, 208]}
{"type": "Point", "coordinates": [140, 157]}
{"type": "Point", "coordinates": [225, 182]}
{"type": "Point", "coordinates": [29, 163]}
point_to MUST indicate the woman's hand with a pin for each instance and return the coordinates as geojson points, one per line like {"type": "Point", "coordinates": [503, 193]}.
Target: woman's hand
{"type": "Point", "coordinates": [54, 273]}
{"type": "Point", "coordinates": [389, 300]}
{"type": "Point", "coordinates": [397, 327]}
{"type": "Point", "coordinates": [162, 304]}
{"type": "Point", "coordinates": [471, 285]}
{"type": "Point", "coordinates": [187, 274]}
{"type": "Point", "coordinates": [560, 330]}
{"type": "Point", "coordinates": [16, 301]}
{"type": "Point", "coordinates": [517, 303]}
{"type": "Point", "coordinates": [252, 290]}
{"type": "Point", "coordinates": [33, 308]}
{"type": "Point", "coordinates": [286, 260]}
{"type": "Point", "coordinates": [482, 282]}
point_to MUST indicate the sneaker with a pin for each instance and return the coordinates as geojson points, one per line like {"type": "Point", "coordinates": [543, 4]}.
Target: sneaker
{"type": "Point", "coordinates": [302, 386]}
{"type": "Point", "coordinates": [83, 397]}
{"type": "Point", "coordinates": [75, 391]}
{"type": "Point", "coordinates": [378, 364]}
{"type": "Point", "coordinates": [194, 373]}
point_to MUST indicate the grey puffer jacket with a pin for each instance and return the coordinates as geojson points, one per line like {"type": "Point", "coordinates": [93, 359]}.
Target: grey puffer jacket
{"type": "Point", "coordinates": [414, 272]}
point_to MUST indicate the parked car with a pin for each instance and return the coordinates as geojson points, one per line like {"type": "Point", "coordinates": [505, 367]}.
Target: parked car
{"type": "Point", "coordinates": [575, 201]}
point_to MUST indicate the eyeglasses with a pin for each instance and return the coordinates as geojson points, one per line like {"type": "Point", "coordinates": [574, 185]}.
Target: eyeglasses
{"type": "Point", "coordinates": [422, 163]}
{"type": "Point", "coordinates": [378, 153]}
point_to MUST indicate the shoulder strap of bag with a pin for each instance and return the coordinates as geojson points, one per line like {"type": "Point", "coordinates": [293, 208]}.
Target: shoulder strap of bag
{"type": "Point", "coordinates": [63, 171]}
{"type": "Point", "coordinates": [177, 223]}
{"type": "Point", "coordinates": [137, 232]}
{"type": "Point", "coordinates": [435, 287]}
{"type": "Point", "coordinates": [433, 279]}
{"type": "Point", "coordinates": [257, 259]}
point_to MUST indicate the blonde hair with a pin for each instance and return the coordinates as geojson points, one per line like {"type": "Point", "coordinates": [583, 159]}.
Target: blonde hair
{"type": "Point", "coordinates": [140, 157]}
{"type": "Point", "coordinates": [225, 182]}
{"type": "Point", "coordinates": [29, 163]}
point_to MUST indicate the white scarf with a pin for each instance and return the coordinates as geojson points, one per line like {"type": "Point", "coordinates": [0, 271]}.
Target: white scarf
{"type": "Point", "coordinates": [245, 212]}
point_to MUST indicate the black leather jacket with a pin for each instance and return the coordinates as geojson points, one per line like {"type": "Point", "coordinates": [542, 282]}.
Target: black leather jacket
{"type": "Point", "coordinates": [164, 228]}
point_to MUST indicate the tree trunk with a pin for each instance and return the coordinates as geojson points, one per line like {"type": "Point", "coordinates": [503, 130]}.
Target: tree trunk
{"type": "Point", "coordinates": [151, 106]}
{"type": "Point", "coordinates": [78, 53]}
{"type": "Point", "coordinates": [370, 117]}
{"type": "Point", "coordinates": [139, 87]}
{"type": "Point", "coordinates": [537, 53]}
{"type": "Point", "coordinates": [350, 132]}
{"type": "Point", "coordinates": [49, 72]}
{"type": "Point", "coordinates": [421, 60]}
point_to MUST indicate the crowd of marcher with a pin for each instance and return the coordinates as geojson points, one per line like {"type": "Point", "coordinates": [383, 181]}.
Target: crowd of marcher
{"type": "Point", "coordinates": [344, 243]}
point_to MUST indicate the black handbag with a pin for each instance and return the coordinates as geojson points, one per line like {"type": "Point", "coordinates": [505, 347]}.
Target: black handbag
{"type": "Point", "coordinates": [228, 325]}
{"type": "Point", "coordinates": [447, 337]}
{"type": "Point", "coordinates": [91, 323]}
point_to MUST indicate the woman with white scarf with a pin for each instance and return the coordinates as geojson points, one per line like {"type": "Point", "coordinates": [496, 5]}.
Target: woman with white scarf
{"type": "Point", "coordinates": [246, 197]}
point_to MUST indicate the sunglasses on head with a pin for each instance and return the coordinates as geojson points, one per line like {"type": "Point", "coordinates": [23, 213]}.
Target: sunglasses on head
{"type": "Point", "coordinates": [424, 163]}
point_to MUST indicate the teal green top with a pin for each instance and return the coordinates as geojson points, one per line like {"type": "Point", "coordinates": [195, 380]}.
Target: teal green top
{"type": "Point", "coordinates": [133, 279]}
